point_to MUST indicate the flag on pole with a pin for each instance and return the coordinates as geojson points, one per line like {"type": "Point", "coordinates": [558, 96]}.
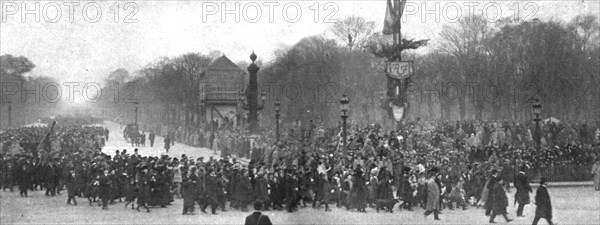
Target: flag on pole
{"type": "Point", "coordinates": [391, 18]}
{"type": "Point", "coordinates": [43, 148]}
{"type": "Point", "coordinates": [399, 6]}
{"type": "Point", "coordinates": [393, 13]}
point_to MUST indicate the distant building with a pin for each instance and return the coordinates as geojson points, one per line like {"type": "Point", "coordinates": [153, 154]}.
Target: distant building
{"type": "Point", "coordinates": [221, 94]}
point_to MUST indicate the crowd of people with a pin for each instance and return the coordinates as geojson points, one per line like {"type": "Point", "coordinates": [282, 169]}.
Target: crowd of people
{"type": "Point", "coordinates": [376, 169]}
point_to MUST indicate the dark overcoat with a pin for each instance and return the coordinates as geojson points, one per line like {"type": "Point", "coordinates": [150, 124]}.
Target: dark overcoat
{"type": "Point", "coordinates": [523, 189]}
{"type": "Point", "coordinates": [499, 201]}
{"type": "Point", "coordinates": [542, 201]}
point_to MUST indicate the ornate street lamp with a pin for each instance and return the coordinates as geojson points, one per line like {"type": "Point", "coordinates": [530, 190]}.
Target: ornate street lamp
{"type": "Point", "coordinates": [344, 109]}
{"type": "Point", "coordinates": [537, 110]}
{"type": "Point", "coordinates": [277, 109]}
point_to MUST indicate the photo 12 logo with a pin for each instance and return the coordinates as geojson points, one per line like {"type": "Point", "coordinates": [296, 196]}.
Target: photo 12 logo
{"type": "Point", "coordinates": [272, 11]}
{"type": "Point", "coordinates": [454, 11]}
{"type": "Point", "coordinates": [68, 11]}
{"type": "Point", "coordinates": [53, 92]}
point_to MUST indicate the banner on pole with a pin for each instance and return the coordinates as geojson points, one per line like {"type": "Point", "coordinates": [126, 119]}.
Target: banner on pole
{"type": "Point", "coordinates": [399, 70]}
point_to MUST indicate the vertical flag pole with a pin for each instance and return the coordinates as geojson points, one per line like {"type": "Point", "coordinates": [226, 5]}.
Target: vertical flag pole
{"type": "Point", "coordinates": [399, 8]}
{"type": "Point", "coordinates": [399, 43]}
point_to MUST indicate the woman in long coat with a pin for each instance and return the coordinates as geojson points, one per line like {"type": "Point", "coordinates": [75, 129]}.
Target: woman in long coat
{"type": "Point", "coordinates": [359, 191]}
{"type": "Point", "coordinates": [131, 191]}
{"type": "Point", "coordinates": [245, 190]}
{"type": "Point", "coordinates": [261, 190]}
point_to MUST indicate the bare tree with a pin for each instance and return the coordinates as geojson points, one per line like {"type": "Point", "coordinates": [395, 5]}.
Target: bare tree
{"type": "Point", "coordinates": [466, 41]}
{"type": "Point", "coordinates": [588, 29]}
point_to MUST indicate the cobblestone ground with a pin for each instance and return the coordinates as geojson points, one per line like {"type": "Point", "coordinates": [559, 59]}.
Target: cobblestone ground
{"type": "Point", "coordinates": [570, 205]}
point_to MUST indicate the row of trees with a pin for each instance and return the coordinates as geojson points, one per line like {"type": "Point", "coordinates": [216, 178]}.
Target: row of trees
{"type": "Point", "coordinates": [477, 70]}
{"type": "Point", "coordinates": [474, 70]}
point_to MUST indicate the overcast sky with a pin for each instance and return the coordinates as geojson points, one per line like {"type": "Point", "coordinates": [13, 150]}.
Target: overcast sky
{"type": "Point", "coordinates": [75, 47]}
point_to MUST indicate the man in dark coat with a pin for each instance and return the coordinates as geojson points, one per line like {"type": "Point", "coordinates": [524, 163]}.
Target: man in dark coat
{"type": "Point", "coordinates": [72, 186]}
{"type": "Point", "coordinates": [488, 204]}
{"type": "Point", "coordinates": [144, 191]}
{"type": "Point", "coordinates": [275, 193]}
{"type": "Point", "coordinates": [523, 190]}
{"type": "Point", "coordinates": [497, 199]}
{"type": "Point", "coordinates": [23, 179]}
{"type": "Point", "coordinates": [50, 179]}
{"type": "Point", "coordinates": [143, 139]}
{"type": "Point", "coordinates": [328, 184]}
{"type": "Point", "coordinates": [543, 205]}
{"type": "Point", "coordinates": [151, 137]}
{"type": "Point", "coordinates": [188, 191]}
{"type": "Point", "coordinates": [291, 191]}
{"type": "Point", "coordinates": [212, 187]}
{"type": "Point", "coordinates": [167, 143]}
{"type": "Point", "coordinates": [105, 183]}
{"type": "Point", "coordinates": [261, 191]}
{"type": "Point", "coordinates": [257, 218]}
{"type": "Point", "coordinates": [8, 172]}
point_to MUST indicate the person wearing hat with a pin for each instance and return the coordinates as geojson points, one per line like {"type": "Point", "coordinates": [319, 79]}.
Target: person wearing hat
{"type": "Point", "coordinates": [523, 189]}
{"type": "Point", "coordinates": [257, 218]}
{"type": "Point", "coordinates": [543, 204]}
{"type": "Point", "coordinates": [485, 194]}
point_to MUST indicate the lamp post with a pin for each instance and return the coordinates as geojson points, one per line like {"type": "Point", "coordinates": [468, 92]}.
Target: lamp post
{"type": "Point", "coordinates": [9, 113]}
{"type": "Point", "coordinates": [136, 114]}
{"type": "Point", "coordinates": [277, 109]}
{"type": "Point", "coordinates": [537, 110]}
{"type": "Point", "coordinates": [344, 108]}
